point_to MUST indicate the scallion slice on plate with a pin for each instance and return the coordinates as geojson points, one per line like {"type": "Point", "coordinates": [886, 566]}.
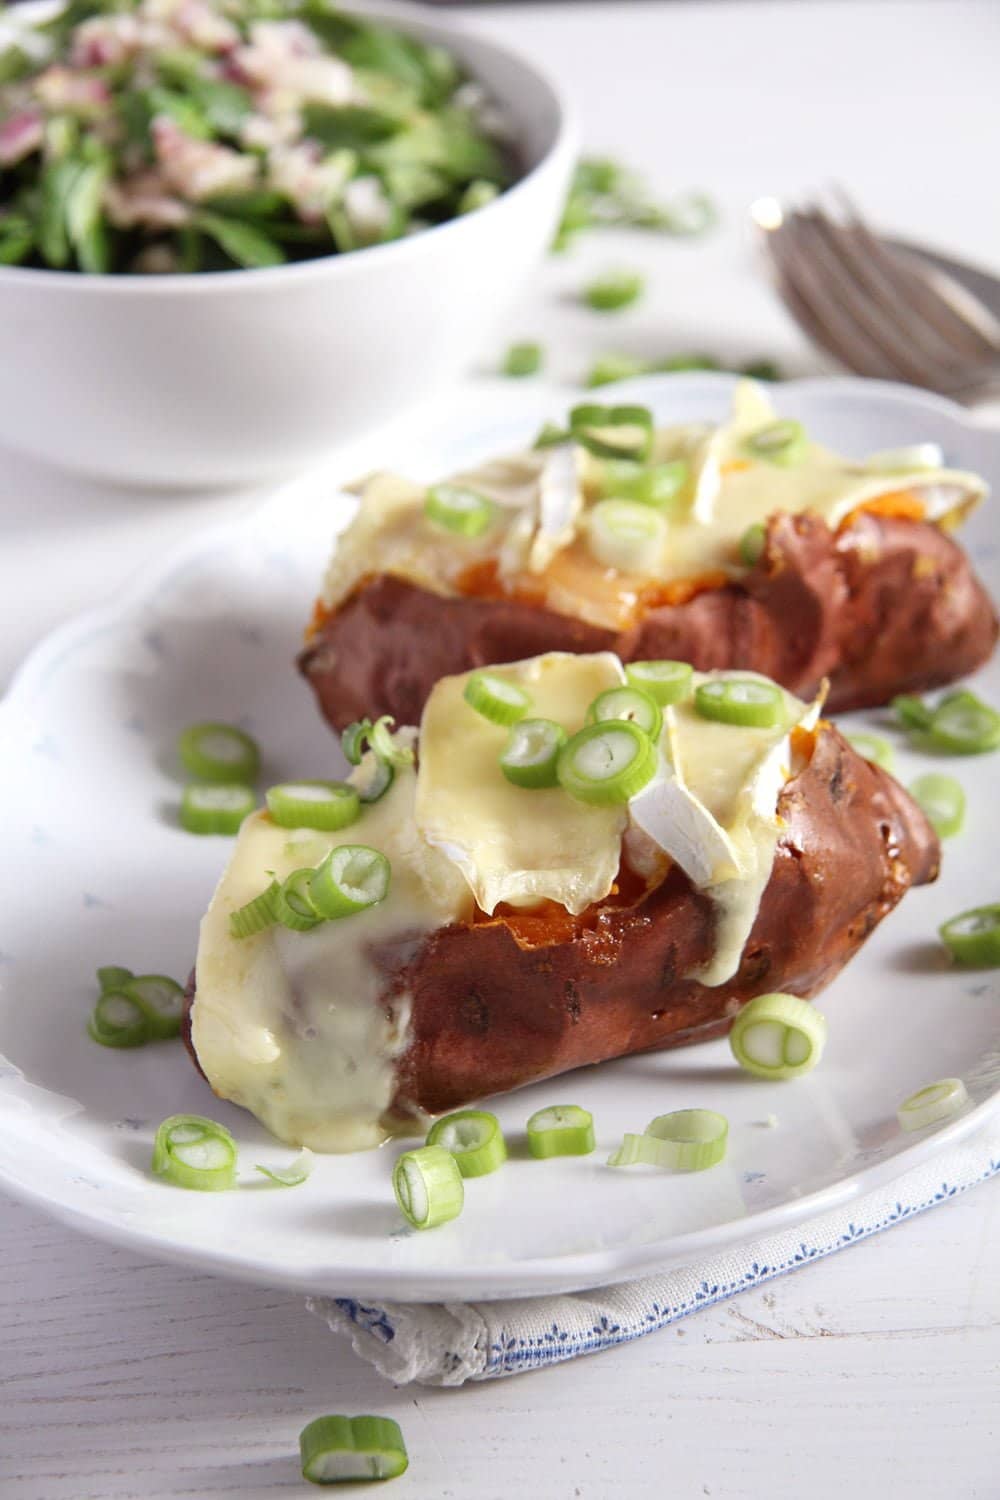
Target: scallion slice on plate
{"type": "Point", "coordinates": [294, 1174]}
{"type": "Point", "coordinates": [973, 937]}
{"type": "Point", "coordinates": [911, 711]}
{"type": "Point", "coordinates": [688, 1140]}
{"type": "Point", "coordinates": [352, 878]}
{"type": "Point", "coordinates": [522, 359]}
{"type": "Point", "coordinates": [783, 442]}
{"type": "Point", "coordinates": [614, 291]}
{"type": "Point", "coordinates": [428, 1186]}
{"type": "Point", "coordinates": [461, 511]}
{"type": "Point", "coordinates": [530, 757]}
{"type": "Point", "coordinates": [496, 698]}
{"type": "Point", "coordinates": [631, 704]}
{"type": "Point", "coordinates": [561, 1130]}
{"type": "Point", "coordinates": [627, 535]}
{"type": "Point", "coordinates": [210, 807]}
{"type": "Point", "coordinates": [327, 805]}
{"type": "Point", "coordinates": [963, 725]}
{"type": "Point", "coordinates": [112, 977]}
{"type": "Point", "coordinates": [218, 752]}
{"type": "Point", "coordinates": [664, 681]}
{"type": "Point", "coordinates": [338, 1450]}
{"type": "Point", "coordinates": [872, 747]}
{"type": "Point", "coordinates": [192, 1152]}
{"type": "Point", "coordinates": [740, 700]}
{"type": "Point", "coordinates": [943, 800]}
{"type": "Point", "coordinates": [778, 1036]}
{"type": "Point", "coordinates": [613, 431]}
{"type": "Point", "coordinates": [474, 1138]}
{"type": "Point", "coordinates": [161, 1001]}
{"type": "Point", "coordinates": [605, 764]}
{"type": "Point", "coordinates": [118, 1021]}
{"type": "Point", "coordinates": [937, 1101]}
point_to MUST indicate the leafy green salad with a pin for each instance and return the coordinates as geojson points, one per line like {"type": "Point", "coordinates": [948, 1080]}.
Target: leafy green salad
{"type": "Point", "coordinates": [201, 135]}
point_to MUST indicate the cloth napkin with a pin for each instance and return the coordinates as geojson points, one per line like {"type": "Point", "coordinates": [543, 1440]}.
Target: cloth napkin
{"type": "Point", "coordinates": [448, 1343]}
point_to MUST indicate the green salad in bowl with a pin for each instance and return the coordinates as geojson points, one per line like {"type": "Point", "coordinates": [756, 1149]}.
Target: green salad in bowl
{"type": "Point", "coordinates": [201, 135]}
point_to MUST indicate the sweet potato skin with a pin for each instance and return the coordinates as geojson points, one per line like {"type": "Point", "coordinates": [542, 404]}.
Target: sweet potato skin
{"type": "Point", "coordinates": [489, 1015]}
{"type": "Point", "coordinates": [885, 605]}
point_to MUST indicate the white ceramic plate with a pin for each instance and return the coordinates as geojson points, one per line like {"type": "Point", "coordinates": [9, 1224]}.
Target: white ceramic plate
{"type": "Point", "coordinates": [96, 872]}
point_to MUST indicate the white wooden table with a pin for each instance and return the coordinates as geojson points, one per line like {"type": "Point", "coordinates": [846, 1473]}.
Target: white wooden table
{"type": "Point", "coordinates": [873, 1374]}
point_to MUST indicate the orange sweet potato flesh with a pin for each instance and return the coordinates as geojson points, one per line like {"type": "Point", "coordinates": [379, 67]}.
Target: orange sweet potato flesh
{"type": "Point", "coordinates": [884, 605]}
{"type": "Point", "coordinates": [496, 1005]}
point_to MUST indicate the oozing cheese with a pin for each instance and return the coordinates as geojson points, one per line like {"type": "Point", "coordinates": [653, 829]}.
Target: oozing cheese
{"type": "Point", "coordinates": [539, 536]}
{"type": "Point", "coordinates": [512, 845]}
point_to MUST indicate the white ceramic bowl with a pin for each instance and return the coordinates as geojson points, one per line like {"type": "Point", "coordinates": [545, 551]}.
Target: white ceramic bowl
{"type": "Point", "coordinates": [242, 375]}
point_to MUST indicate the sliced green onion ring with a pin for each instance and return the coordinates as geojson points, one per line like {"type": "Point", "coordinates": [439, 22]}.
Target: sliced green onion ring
{"type": "Point", "coordinates": [119, 1021]}
{"type": "Point", "coordinates": [161, 1001]}
{"type": "Point", "coordinates": [218, 752]}
{"type": "Point", "coordinates": [963, 725]}
{"type": "Point", "coordinates": [531, 755]}
{"type": "Point", "coordinates": [474, 1138]}
{"type": "Point", "coordinates": [428, 1186]}
{"type": "Point", "coordinates": [210, 807]}
{"type": "Point", "coordinates": [461, 511]}
{"type": "Point", "coordinates": [327, 805]}
{"type": "Point", "coordinates": [778, 1036]}
{"type": "Point", "coordinates": [630, 704]}
{"type": "Point", "coordinates": [783, 443]}
{"type": "Point", "coordinates": [352, 878]}
{"type": "Point", "coordinates": [111, 977]}
{"type": "Point", "coordinates": [752, 544]}
{"type": "Point", "coordinates": [626, 535]}
{"type": "Point", "coordinates": [973, 937]}
{"type": "Point", "coordinates": [872, 747]}
{"type": "Point", "coordinates": [294, 1174]}
{"type": "Point", "coordinates": [605, 764]}
{"type": "Point", "coordinates": [374, 779]}
{"type": "Point", "coordinates": [613, 431]}
{"type": "Point", "coordinates": [294, 907]}
{"type": "Point", "coordinates": [353, 740]}
{"type": "Point", "coordinates": [936, 1101]}
{"type": "Point", "coordinates": [522, 359]}
{"type": "Point", "coordinates": [911, 711]}
{"type": "Point", "coordinates": [192, 1152]}
{"type": "Point", "coordinates": [387, 746]}
{"type": "Point", "coordinates": [614, 291]}
{"type": "Point", "coordinates": [942, 800]}
{"type": "Point", "coordinates": [560, 1130]}
{"type": "Point", "coordinates": [740, 700]}
{"type": "Point", "coordinates": [664, 681]}
{"type": "Point", "coordinates": [336, 1450]}
{"type": "Point", "coordinates": [496, 698]}
{"type": "Point", "coordinates": [688, 1140]}
{"type": "Point", "coordinates": [551, 436]}
{"type": "Point", "coordinates": [256, 915]}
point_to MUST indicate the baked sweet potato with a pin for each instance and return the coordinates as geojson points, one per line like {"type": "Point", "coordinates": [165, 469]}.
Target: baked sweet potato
{"type": "Point", "coordinates": [496, 1000]}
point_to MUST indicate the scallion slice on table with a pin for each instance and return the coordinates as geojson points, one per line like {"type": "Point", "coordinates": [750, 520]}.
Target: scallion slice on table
{"type": "Point", "coordinates": [612, 367]}
{"type": "Point", "coordinates": [658, 485]}
{"type": "Point", "coordinates": [112, 977]}
{"type": "Point", "coordinates": [613, 431]}
{"type": "Point", "coordinates": [606, 764]}
{"type": "Point", "coordinates": [783, 442]}
{"type": "Point", "coordinates": [872, 747]}
{"type": "Point", "coordinates": [428, 1186]}
{"type": "Point", "coordinates": [937, 1101]}
{"type": "Point", "coordinates": [688, 1140]}
{"type": "Point", "coordinates": [256, 915]}
{"type": "Point", "coordinates": [496, 698]}
{"type": "Point", "coordinates": [626, 535]}
{"type": "Point", "coordinates": [522, 359]}
{"type": "Point", "coordinates": [664, 681]}
{"type": "Point", "coordinates": [561, 1130]}
{"type": "Point", "coordinates": [778, 1036]}
{"type": "Point", "coordinates": [462, 511]}
{"type": "Point", "coordinates": [214, 807]}
{"type": "Point", "coordinates": [911, 711]}
{"type": "Point", "coordinates": [294, 906]}
{"type": "Point", "coordinates": [337, 1450]}
{"type": "Point", "coordinates": [752, 544]}
{"type": "Point", "coordinates": [294, 1174]}
{"type": "Point", "coordinates": [474, 1138]}
{"type": "Point", "coordinates": [530, 756]}
{"type": "Point", "coordinates": [973, 937]}
{"type": "Point", "coordinates": [118, 1021]}
{"type": "Point", "coordinates": [192, 1152]}
{"type": "Point", "coordinates": [963, 724]}
{"type": "Point", "coordinates": [352, 878]}
{"type": "Point", "coordinates": [614, 291]}
{"type": "Point", "coordinates": [218, 752]}
{"type": "Point", "coordinates": [327, 805]}
{"type": "Point", "coordinates": [740, 700]}
{"type": "Point", "coordinates": [631, 704]}
{"type": "Point", "coordinates": [161, 1001]}
{"type": "Point", "coordinates": [943, 800]}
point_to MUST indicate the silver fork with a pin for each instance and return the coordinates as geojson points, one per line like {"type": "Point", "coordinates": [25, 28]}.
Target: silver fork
{"type": "Point", "coordinates": [877, 310]}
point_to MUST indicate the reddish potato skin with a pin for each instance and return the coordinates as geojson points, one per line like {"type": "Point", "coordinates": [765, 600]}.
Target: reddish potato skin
{"type": "Point", "coordinates": [488, 1015]}
{"type": "Point", "coordinates": [882, 606]}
